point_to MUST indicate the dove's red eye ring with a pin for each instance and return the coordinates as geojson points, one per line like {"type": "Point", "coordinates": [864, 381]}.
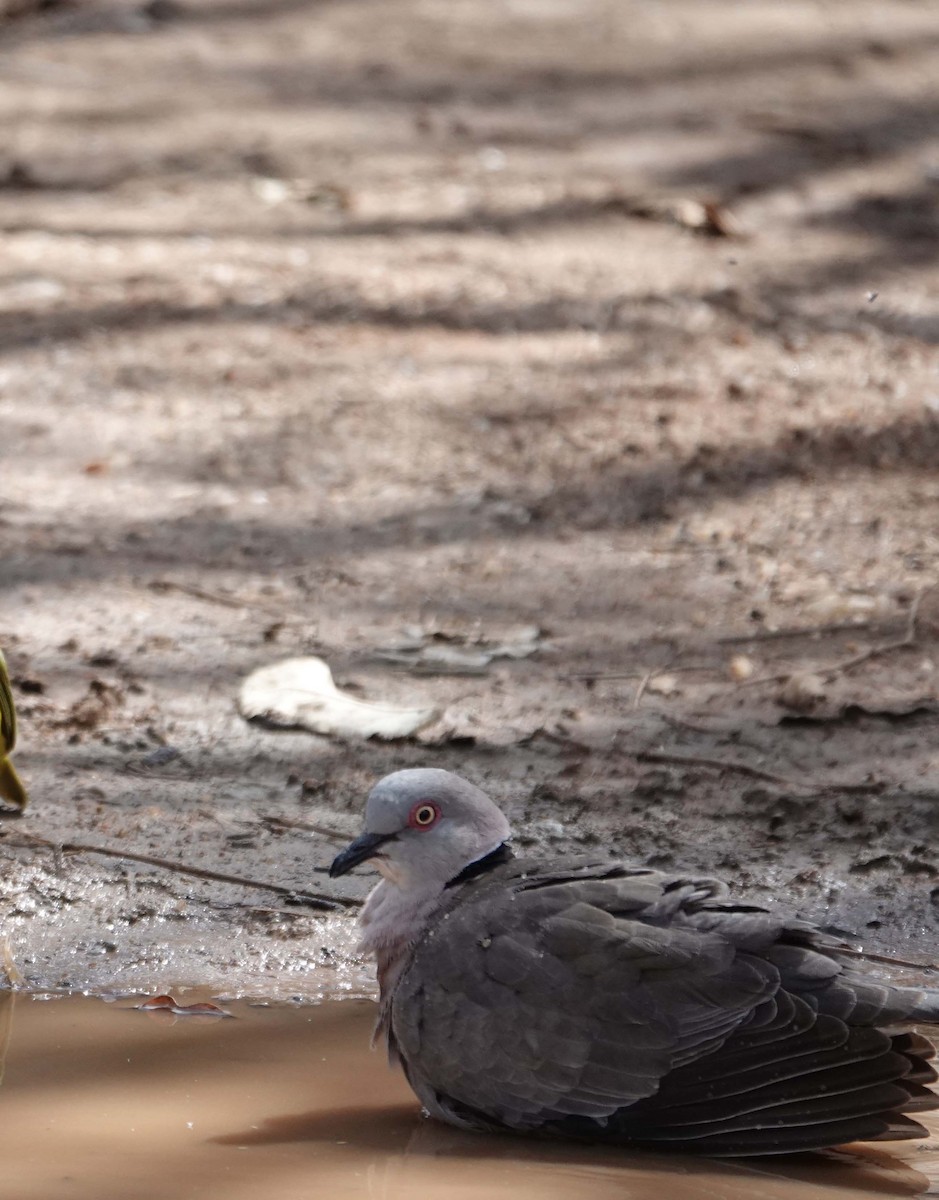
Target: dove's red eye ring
{"type": "Point", "coordinates": [423, 815]}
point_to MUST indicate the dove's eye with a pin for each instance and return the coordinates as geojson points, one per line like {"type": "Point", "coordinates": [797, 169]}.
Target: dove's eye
{"type": "Point", "coordinates": [423, 816]}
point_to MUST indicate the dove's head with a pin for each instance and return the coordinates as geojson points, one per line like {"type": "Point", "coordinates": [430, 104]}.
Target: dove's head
{"type": "Point", "coordinates": [423, 827]}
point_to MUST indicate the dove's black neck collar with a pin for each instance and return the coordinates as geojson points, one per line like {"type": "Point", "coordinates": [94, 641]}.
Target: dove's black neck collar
{"type": "Point", "coordinates": [503, 853]}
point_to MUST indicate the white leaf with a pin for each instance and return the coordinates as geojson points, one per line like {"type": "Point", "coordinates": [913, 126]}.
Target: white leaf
{"type": "Point", "coordinates": [300, 692]}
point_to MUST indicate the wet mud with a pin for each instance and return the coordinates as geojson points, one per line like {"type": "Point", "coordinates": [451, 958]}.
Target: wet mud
{"type": "Point", "coordinates": [100, 1101]}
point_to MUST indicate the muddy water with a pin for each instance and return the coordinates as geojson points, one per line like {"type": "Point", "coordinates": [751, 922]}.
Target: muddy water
{"type": "Point", "coordinates": [102, 1102]}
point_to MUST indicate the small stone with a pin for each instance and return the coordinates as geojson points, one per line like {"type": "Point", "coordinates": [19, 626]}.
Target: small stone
{"type": "Point", "coordinates": [801, 692]}
{"type": "Point", "coordinates": [160, 757]}
{"type": "Point", "coordinates": [741, 667]}
{"type": "Point", "coordinates": [662, 685]}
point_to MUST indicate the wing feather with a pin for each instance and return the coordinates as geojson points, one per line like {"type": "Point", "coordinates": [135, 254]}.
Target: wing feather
{"type": "Point", "coordinates": [592, 999]}
{"type": "Point", "coordinates": [547, 1001]}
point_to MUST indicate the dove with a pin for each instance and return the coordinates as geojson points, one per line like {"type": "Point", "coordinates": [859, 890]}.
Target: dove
{"type": "Point", "coordinates": [593, 999]}
{"type": "Point", "coordinates": [11, 787]}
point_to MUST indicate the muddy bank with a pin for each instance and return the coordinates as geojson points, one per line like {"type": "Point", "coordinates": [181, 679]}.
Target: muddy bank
{"type": "Point", "coordinates": [324, 326]}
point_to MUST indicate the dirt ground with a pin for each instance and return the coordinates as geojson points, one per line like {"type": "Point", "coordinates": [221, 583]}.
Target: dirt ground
{"type": "Point", "coordinates": [327, 325]}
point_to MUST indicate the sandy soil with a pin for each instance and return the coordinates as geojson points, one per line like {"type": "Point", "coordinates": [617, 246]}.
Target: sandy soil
{"type": "Point", "coordinates": [321, 322]}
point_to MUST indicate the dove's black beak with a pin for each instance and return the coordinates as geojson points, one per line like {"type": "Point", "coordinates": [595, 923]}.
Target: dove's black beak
{"type": "Point", "coordinates": [362, 848]}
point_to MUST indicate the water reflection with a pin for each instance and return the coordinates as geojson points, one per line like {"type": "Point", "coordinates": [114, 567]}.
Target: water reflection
{"type": "Point", "coordinates": [102, 1103]}
{"type": "Point", "coordinates": [416, 1157]}
{"type": "Point", "coordinates": [7, 1000]}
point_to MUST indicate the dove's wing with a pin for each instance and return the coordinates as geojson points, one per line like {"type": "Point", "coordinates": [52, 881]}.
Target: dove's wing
{"type": "Point", "coordinates": [589, 998]}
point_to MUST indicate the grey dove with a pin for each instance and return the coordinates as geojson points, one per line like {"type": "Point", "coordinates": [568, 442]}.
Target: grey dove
{"type": "Point", "coordinates": [592, 999]}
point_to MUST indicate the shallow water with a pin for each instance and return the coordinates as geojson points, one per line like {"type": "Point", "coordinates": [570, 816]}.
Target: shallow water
{"type": "Point", "coordinates": [102, 1102]}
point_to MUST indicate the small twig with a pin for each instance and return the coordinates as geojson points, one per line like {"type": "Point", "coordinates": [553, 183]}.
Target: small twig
{"type": "Point", "coordinates": [640, 690]}
{"type": "Point", "coordinates": [720, 764]}
{"type": "Point", "coordinates": [8, 963]}
{"type": "Point", "coordinates": [908, 639]}
{"type": "Point", "coordinates": [594, 676]}
{"type": "Point", "coordinates": [861, 789]}
{"type": "Point", "coordinates": [856, 660]}
{"type": "Point", "coordinates": [887, 961]}
{"type": "Point", "coordinates": [668, 670]}
{"type": "Point", "coordinates": [274, 823]}
{"type": "Point", "coordinates": [327, 904]}
{"type": "Point", "coordinates": [715, 764]}
{"type": "Point", "coordinates": [811, 631]}
{"type": "Point", "coordinates": [170, 585]}
{"type": "Point", "coordinates": [237, 906]}
{"type": "Point", "coordinates": [781, 677]}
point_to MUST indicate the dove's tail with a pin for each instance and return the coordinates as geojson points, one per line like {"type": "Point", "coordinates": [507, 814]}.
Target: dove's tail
{"type": "Point", "coordinates": [806, 1083]}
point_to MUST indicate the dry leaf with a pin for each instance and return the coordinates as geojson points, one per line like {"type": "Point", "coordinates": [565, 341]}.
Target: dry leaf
{"type": "Point", "coordinates": [300, 692]}
{"type": "Point", "coordinates": [831, 606]}
{"type": "Point", "coordinates": [454, 651]}
{"type": "Point", "coordinates": [700, 216]}
{"type": "Point", "coordinates": [170, 1005]}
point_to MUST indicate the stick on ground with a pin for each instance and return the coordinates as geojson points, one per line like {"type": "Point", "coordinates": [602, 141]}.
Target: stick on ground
{"type": "Point", "coordinates": [324, 903]}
